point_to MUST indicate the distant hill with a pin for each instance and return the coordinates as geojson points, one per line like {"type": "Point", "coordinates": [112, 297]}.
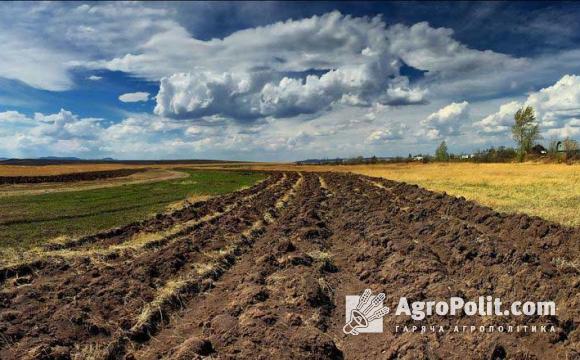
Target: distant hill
{"type": "Point", "coordinates": [72, 158]}
{"type": "Point", "coordinates": [55, 160]}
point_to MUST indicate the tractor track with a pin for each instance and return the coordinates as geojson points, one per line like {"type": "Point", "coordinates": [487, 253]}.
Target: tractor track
{"type": "Point", "coordinates": [263, 273]}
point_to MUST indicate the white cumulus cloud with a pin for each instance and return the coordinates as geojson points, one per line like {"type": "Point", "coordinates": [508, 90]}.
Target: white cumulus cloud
{"type": "Point", "coordinates": [390, 132]}
{"type": "Point", "coordinates": [447, 121]}
{"type": "Point", "coordinates": [43, 42]}
{"type": "Point", "coordinates": [270, 73]}
{"type": "Point", "coordinates": [557, 109]}
{"type": "Point", "coordinates": [501, 121]}
{"type": "Point", "coordinates": [435, 50]}
{"type": "Point", "coordinates": [134, 97]}
{"type": "Point", "coordinates": [360, 60]}
{"type": "Point", "coordinates": [13, 117]}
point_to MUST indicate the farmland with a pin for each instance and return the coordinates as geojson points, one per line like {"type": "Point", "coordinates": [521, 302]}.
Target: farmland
{"type": "Point", "coordinates": [263, 273]}
{"type": "Point", "coordinates": [551, 191]}
{"type": "Point", "coordinates": [321, 180]}
{"type": "Point", "coordinates": [30, 219]}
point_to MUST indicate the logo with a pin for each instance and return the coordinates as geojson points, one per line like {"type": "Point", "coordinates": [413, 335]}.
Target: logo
{"type": "Point", "coordinates": [364, 314]}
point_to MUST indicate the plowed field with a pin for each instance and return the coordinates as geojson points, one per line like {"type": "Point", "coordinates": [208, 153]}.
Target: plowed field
{"type": "Point", "coordinates": [262, 273]}
{"type": "Point", "coordinates": [72, 177]}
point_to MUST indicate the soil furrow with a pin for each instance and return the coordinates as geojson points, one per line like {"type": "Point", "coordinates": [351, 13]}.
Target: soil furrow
{"type": "Point", "coordinates": [71, 177]}
{"type": "Point", "coordinates": [162, 222]}
{"type": "Point", "coordinates": [485, 219]}
{"type": "Point", "coordinates": [263, 273]}
{"type": "Point", "coordinates": [143, 235]}
{"type": "Point", "coordinates": [101, 294]}
{"type": "Point", "coordinates": [430, 255]}
{"type": "Point", "coordinates": [176, 292]}
{"type": "Point", "coordinates": [278, 290]}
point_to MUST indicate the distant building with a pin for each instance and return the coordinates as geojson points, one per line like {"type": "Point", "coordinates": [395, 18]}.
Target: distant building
{"type": "Point", "coordinates": [418, 158]}
{"type": "Point", "coordinates": [539, 150]}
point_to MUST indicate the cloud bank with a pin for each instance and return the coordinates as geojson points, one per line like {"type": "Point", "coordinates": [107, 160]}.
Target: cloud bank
{"type": "Point", "coordinates": [325, 85]}
{"type": "Point", "coordinates": [557, 110]}
{"type": "Point", "coordinates": [265, 71]}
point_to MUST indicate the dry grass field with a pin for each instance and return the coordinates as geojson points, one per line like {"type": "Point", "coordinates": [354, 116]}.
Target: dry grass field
{"type": "Point", "coordinates": [551, 191]}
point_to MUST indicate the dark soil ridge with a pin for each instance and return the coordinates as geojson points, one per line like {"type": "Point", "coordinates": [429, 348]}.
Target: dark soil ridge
{"type": "Point", "coordinates": [278, 303]}
{"type": "Point", "coordinates": [70, 177]}
{"type": "Point", "coordinates": [112, 290]}
{"type": "Point", "coordinates": [425, 245]}
{"type": "Point", "coordinates": [160, 222]}
{"type": "Point", "coordinates": [163, 221]}
{"type": "Point", "coordinates": [281, 294]}
{"type": "Point", "coordinates": [145, 328]}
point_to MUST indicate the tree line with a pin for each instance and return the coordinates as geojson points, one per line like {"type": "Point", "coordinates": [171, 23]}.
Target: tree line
{"type": "Point", "coordinates": [526, 134]}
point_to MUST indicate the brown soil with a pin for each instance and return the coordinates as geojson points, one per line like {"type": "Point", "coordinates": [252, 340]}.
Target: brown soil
{"type": "Point", "coordinates": [143, 177]}
{"type": "Point", "coordinates": [71, 177]}
{"type": "Point", "coordinates": [263, 273]}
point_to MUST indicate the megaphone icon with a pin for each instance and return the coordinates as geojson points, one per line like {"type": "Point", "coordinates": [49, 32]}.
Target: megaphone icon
{"type": "Point", "coordinates": [357, 320]}
{"type": "Point", "coordinates": [358, 315]}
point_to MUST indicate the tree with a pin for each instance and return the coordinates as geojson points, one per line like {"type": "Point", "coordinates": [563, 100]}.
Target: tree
{"type": "Point", "coordinates": [441, 153]}
{"type": "Point", "coordinates": [570, 147]}
{"type": "Point", "coordinates": [553, 150]}
{"type": "Point", "coordinates": [525, 130]}
{"type": "Point", "coordinates": [553, 147]}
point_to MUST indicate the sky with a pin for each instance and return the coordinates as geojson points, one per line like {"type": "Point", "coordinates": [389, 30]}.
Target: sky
{"type": "Point", "coordinates": [273, 81]}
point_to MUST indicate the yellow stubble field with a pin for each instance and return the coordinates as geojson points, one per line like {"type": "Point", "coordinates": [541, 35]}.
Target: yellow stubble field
{"type": "Point", "coordinates": [551, 191]}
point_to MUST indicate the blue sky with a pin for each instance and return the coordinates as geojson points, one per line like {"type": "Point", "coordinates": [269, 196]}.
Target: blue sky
{"type": "Point", "coordinates": [282, 81]}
